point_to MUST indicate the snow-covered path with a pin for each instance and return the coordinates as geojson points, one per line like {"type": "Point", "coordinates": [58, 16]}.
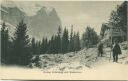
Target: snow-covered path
{"type": "Point", "coordinates": [85, 59]}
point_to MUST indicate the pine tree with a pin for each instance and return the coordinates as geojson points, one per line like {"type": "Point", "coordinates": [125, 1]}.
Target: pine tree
{"type": "Point", "coordinates": [65, 41]}
{"type": "Point", "coordinates": [42, 50]}
{"type": "Point", "coordinates": [38, 47]}
{"type": "Point", "coordinates": [86, 37]}
{"type": "Point", "coordinates": [71, 41]}
{"type": "Point", "coordinates": [74, 42]}
{"type": "Point", "coordinates": [90, 37]}
{"type": "Point", "coordinates": [118, 18]}
{"type": "Point", "coordinates": [4, 44]}
{"type": "Point", "coordinates": [44, 46]}
{"type": "Point", "coordinates": [55, 43]}
{"type": "Point", "coordinates": [21, 52]}
{"type": "Point", "coordinates": [33, 46]}
{"type": "Point", "coordinates": [51, 45]}
{"type": "Point", "coordinates": [59, 41]}
{"type": "Point", "coordinates": [78, 42]}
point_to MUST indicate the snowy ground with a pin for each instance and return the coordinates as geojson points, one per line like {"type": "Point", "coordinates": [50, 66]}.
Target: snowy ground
{"type": "Point", "coordinates": [84, 59]}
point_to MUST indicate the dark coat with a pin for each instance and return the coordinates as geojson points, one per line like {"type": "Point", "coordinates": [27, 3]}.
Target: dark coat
{"type": "Point", "coordinates": [116, 49]}
{"type": "Point", "coordinates": [100, 48]}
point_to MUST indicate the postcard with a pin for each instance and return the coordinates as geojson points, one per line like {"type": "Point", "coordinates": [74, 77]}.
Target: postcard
{"type": "Point", "coordinates": [64, 40]}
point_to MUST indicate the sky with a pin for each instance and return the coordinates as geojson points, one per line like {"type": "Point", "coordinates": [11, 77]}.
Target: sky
{"type": "Point", "coordinates": [80, 14]}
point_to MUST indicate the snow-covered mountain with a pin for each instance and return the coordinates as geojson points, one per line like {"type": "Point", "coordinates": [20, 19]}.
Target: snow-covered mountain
{"type": "Point", "coordinates": [44, 23]}
{"type": "Point", "coordinates": [13, 15]}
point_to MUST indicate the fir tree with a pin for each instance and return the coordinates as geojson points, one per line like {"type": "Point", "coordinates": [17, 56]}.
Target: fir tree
{"type": "Point", "coordinates": [89, 37]}
{"type": "Point", "coordinates": [38, 47]}
{"type": "Point", "coordinates": [78, 47]}
{"type": "Point", "coordinates": [65, 41]}
{"type": "Point", "coordinates": [21, 52]}
{"type": "Point", "coordinates": [44, 46]}
{"type": "Point", "coordinates": [4, 44]}
{"type": "Point", "coordinates": [59, 41]}
{"type": "Point", "coordinates": [71, 41]}
{"type": "Point", "coordinates": [118, 18]}
{"type": "Point", "coordinates": [33, 46]}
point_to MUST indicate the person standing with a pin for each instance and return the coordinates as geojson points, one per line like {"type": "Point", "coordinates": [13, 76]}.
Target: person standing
{"type": "Point", "coordinates": [100, 49]}
{"type": "Point", "coordinates": [116, 51]}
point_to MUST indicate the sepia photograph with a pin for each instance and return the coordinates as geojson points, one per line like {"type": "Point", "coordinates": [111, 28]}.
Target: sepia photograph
{"type": "Point", "coordinates": [63, 40]}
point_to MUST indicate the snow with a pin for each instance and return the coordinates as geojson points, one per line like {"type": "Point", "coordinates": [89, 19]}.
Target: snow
{"type": "Point", "coordinates": [110, 71]}
{"type": "Point", "coordinates": [86, 58]}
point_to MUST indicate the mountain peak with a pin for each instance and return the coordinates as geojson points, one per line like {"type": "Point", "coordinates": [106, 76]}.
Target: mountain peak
{"type": "Point", "coordinates": [46, 10]}
{"type": "Point", "coordinates": [53, 11]}
{"type": "Point", "coordinates": [41, 11]}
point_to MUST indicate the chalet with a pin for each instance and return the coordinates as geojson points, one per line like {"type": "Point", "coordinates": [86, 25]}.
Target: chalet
{"type": "Point", "coordinates": [113, 33]}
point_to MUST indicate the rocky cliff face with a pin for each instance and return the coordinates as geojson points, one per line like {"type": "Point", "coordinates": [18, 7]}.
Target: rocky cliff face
{"type": "Point", "coordinates": [43, 24]}
{"type": "Point", "coordinates": [13, 15]}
